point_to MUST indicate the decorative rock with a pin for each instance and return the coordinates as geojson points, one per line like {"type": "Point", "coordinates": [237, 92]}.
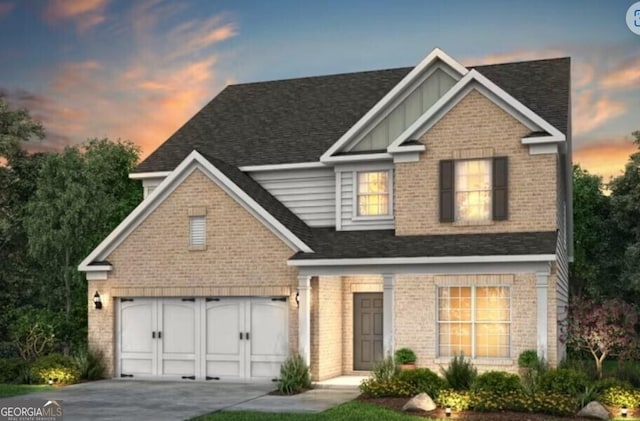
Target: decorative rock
{"type": "Point", "coordinates": [594, 410]}
{"type": "Point", "coordinates": [421, 402]}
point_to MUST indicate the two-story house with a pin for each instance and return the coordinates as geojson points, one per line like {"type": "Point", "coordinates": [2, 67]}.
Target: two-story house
{"type": "Point", "coordinates": [344, 217]}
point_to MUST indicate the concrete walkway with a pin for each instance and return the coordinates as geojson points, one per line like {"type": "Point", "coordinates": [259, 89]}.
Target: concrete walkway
{"type": "Point", "coordinates": [111, 400]}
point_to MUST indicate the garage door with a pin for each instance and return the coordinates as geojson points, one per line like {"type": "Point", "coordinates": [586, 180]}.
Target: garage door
{"type": "Point", "coordinates": [213, 339]}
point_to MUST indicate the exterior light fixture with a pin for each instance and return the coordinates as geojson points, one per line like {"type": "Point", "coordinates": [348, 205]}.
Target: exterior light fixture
{"type": "Point", "coordinates": [97, 301]}
{"type": "Point", "coordinates": [623, 412]}
{"type": "Point", "coordinates": [298, 298]}
{"type": "Point", "coordinates": [447, 412]}
{"type": "Point", "coordinates": [50, 382]}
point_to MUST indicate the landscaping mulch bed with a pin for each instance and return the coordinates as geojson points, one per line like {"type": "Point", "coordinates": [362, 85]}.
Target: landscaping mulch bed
{"type": "Point", "coordinates": [396, 404]}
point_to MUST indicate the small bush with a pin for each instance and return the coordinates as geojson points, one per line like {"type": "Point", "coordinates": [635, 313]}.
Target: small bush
{"type": "Point", "coordinates": [528, 359]}
{"type": "Point", "coordinates": [423, 380]}
{"type": "Point", "coordinates": [34, 333]}
{"type": "Point", "coordinates": [385, 370]}
{"type": "Point", "coordinates": [405, 356]}
{"type": "Point", "coordinates": [607, 382]}
{"type": "Point", "coordinates": [393, 388]}
{"type": "Point", "coordinates": [554, 404]}
{"type": "Point", "coordinates": [56, 367]}
{"type": "Point", "coordinates": [294, 375]}
{"type": "Point", "coordinates": [460, 373]}
{"type": "Point", "coordinates": [90, 364]}
{"type": "Point", "coordinates": [456, 400]}
{"type": "Point", "coordinates": [585, 366]}
{"type": "Point", "coordinates": [563, 381]}
{"type": "Point", "coordinates": [497, 381]}
{"type": "Point", "coordinates": [621, 396]}
{"type": "Point", "coordinates": [489, 400]}
{"type": "Point", "coordinates": [10, 369]}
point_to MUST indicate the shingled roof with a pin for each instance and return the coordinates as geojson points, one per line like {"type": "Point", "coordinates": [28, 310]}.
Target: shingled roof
{"type": "Point", "coordinates": [331, 244]}
{"type": "Point", "coordinates": [297, 120]}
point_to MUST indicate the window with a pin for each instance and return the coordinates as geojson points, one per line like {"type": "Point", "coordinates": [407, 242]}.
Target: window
{"type": "Point", "coordinates": [475, 321]}
{"type": "Point", "coordinates": [373, 193]}
{"type": "Point", "coordinates": [197, 231]}
{"type": "Point", "coordinates": [473, 190]}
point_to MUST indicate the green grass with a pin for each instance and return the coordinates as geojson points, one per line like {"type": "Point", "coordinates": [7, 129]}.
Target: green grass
{"type": "Point", "coordinates": [7, 390]}
{"type": "Point", "coordinates": [347, 411]}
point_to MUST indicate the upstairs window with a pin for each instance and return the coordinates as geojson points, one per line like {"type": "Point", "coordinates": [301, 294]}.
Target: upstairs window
{"type": "Point", "coordinates": [374, 193]}
{"type": "Point", "coordinates": [474, 190]}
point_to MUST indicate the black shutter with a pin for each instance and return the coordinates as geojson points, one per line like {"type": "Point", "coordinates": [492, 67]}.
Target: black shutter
{"type": "Point", "coordinates": [500, 188]}
{"type": "Point", "coordinates": [447, 191]}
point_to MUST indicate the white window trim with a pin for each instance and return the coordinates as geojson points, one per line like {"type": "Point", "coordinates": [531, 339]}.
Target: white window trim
{"type": "Point", "coordinates": [354, 207]}
{"type": "Point", "coordinates": [473, 321]}
{"type": "Point", "coordinates": [467, 222]}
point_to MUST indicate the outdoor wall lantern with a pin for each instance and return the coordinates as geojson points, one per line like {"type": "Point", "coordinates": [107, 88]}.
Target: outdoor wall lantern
{"type": "Point", "coordinates": [623, 412]}
{"type": "Point", "coordinates": [97, 301]}
{"type": "Point", "coordinates": [447, 412]}
{"type": "Point", "coordinates": [298, 298]}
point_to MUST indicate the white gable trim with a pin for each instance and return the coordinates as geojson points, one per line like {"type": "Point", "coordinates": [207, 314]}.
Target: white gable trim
{"type": "Point", "coordinates": [389, 98]}
{"type": "Point", "coordinates": [276, 167]}
{"type": "Point", "coordinates": [143, 175]}
{"type": "Point", "coordinates": [474, 79]}
{"type": "Point", "coordinates": [143, 210]}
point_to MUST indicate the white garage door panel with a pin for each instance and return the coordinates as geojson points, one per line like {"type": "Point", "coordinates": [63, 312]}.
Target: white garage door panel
{"type": "Point", "coordinates": [217, 339]}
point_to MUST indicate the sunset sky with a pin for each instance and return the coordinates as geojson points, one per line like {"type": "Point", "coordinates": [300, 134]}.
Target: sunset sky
{"type": "Point", "coordinates": [138, 69]}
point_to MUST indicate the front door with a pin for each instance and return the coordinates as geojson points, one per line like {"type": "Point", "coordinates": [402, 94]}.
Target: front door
{"type": "Point", "coordinates": [367, 330]}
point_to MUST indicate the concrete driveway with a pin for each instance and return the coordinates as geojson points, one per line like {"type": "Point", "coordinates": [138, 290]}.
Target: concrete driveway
{"type": "Point", "coordinates": [107, 400]}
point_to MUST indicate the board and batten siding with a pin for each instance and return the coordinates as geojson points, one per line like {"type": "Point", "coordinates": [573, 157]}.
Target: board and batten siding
{"type": "Point", "coordinates": [346, 212]}
{"type": "Point", "coordinates": [309, 193]}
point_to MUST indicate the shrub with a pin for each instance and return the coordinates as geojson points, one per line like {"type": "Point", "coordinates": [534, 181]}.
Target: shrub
{"type": "Point", "coordinates": [582, 365]}
{"type": "Point", "coordinates": [563, 381]}
{"type": "Point", "coordinates": [10, 369]}
{"type": "Point", "coordinates": [90, 364]}
{"type": "Point", "coordinates": [497, 381]}
{"type": "Point", "coordinates": [294, 375]}
{"type": "Point", "coordinates": [607, 382]}
{"type": "Point", "coordinates": [489, 400]}
{"type": "Point", "coordinates": [56, 367]}
{"type": "Point", "coordinates": [456, 400]}
{"type": "Point", "coordinates": [554, 404]}
{"type": "Point", "coordinates": [395, 388]}
{"type": "Point", "coordinates": [385, 370]}
{"type": "Point", "coordinates": [621, 396]}
{"type": "Point", "coordinates": [423, 380]}
{"type": "Point", "coordinates": [460, 373]}
{"type": "Point", "coordinates": [528, 359]}
{"type": "Point", "coordinates": [34, 333]}
{"type": "Point", "coordinates": [405, 356]}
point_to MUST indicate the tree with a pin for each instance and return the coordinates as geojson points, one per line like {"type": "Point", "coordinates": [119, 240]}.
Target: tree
{"type": "Point", "coordinates": [82, 194]}
{"type": "Point", "coordinates": [16, 126]}
{"type": "Point", "coordinates": [591, 213]}
{"type": "Point", "coordinates": [625, 200]}
{"type": "Point", "coordinates": [604, 329]}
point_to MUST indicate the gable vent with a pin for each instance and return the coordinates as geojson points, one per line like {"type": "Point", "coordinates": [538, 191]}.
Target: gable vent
{"type": "Point", "coordinates": [197, 230]}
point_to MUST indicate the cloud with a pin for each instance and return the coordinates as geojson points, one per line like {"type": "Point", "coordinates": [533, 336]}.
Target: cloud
{"type": "Point", "coordinates": [86, 14]}
{"type": "Point", "coordinates": [591, 111]}
{"type": "Point", "coordinates": [165, 77]}
{"type": "Point", "coordinates": [6, 9]}
{"type": "Point", "coordinates": [626, 75]}
{"type": "Point", "coordinates": [605, 157]}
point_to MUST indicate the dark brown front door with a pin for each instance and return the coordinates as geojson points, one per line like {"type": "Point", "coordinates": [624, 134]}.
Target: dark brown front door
{"type": "Point", "coordinates": [367, 330]}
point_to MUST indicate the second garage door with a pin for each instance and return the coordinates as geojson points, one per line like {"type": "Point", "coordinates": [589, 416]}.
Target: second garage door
{"type": "Point", "coordinates": [213, 339]}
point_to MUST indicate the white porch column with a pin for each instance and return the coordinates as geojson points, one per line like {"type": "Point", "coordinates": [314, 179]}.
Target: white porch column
{"type": "Point", "coordinates": [388, 296]}
{"type": "Point", "coordinates": [304, 318]}
{"type": "Point", "coordinates": [542, 287]}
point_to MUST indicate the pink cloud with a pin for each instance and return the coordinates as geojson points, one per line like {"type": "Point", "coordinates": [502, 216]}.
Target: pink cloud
{"type": "Point", "coordinates": [86, 14]}
{"type": "Point", "coordinates": [590, 112]}
{"type": "Point", "coordinates": [6, 9]}
{"type": "Point", "coordinates": [627, 75]}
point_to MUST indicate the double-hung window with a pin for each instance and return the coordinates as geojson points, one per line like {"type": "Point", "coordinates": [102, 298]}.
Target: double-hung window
{"type": "Point", "coordinates": [373, 193]}
{"type": "Point", "coordinates": [474, 190]}
{"type": "Point", "coordinates": [474, 320]}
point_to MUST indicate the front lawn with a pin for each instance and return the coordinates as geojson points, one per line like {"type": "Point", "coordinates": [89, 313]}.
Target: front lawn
{"type": "Point", "coordinates": [7, 390]}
